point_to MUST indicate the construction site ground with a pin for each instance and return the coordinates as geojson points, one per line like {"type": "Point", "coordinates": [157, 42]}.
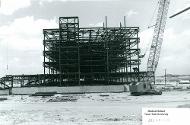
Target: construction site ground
{"type": "Point", "coordinates": [85, 109]}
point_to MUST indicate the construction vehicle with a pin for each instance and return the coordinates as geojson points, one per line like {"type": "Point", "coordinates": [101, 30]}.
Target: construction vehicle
{"type": "Point", "coordinates": [146, 87]}
{"type": "Point", "coordinates": [143, 88]}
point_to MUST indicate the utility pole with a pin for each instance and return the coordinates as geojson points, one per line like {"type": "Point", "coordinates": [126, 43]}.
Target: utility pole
{"type": "Point", "coordinates": [165, 77]}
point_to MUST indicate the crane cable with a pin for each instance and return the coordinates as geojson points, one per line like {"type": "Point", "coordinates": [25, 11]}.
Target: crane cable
{"type": "Point", "coordinates": [7, 54]}
{"type": "Point", "coordinates": [7, 59]}
{"type": "Point", "coordinates": [153, 16]}
{"type": "Point", "coordinates": [150, 26]}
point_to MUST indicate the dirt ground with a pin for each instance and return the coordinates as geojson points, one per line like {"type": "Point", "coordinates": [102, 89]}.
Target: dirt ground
{"type": "Point", "coordinates": [85, 109]}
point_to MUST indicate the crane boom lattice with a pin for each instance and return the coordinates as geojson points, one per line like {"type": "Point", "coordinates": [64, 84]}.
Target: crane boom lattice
{"type": "Point", "coordinates": [157, 39]}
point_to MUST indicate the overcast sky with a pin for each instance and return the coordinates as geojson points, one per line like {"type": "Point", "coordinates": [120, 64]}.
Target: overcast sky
{"type": "Point", "coordinates": [22, 21]}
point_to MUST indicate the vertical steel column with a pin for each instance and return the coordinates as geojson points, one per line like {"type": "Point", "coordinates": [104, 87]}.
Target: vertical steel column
{"type": "Point", "coordinates": [138, 78]}
{"type": "Point", "coordinates": [107, 51]}
{"type": "Point", "coordinates": [44, 42]}
{"type": "Point", "coordinates": [59, 63]}
{"type": "Point", "coordinates": [126, 65]}
{"type": "Point", "coordinates": [79, 74]}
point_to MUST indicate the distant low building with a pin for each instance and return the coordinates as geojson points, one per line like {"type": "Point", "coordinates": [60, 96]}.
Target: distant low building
{"type": "Point", "coordinates": [184, 82]}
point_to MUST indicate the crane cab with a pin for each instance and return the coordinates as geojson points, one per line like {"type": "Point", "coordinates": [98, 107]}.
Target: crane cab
{"type": "Point", "coordinates": [143, 88]}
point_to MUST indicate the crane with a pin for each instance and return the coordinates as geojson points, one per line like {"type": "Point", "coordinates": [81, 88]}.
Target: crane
{"type": "Point", "coordinates": [145, 87]}
{"type": "Point", "coordinates": [157, 40]}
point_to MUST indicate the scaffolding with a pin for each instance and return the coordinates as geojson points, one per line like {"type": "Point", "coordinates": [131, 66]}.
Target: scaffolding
{"type": "Point", "coordinates": [90, 55]}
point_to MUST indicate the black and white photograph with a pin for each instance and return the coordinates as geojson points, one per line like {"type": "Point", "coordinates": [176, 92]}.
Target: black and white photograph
{"type": "Point", "coordinates": [94, 62]}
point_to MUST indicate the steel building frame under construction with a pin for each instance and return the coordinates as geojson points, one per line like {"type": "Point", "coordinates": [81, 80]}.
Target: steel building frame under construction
{"type": "Point", "coordinates": [88, 56]}
{"type": "Point", "coordinates": [85, 56]}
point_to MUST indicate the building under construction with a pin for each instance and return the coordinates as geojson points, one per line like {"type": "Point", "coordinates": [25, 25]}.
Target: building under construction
{"type": "Point", "coordinates": [75, 55]}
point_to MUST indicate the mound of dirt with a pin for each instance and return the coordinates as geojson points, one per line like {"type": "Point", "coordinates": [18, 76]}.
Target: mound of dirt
{"type": "Point", "coordinates": [184, 106]}
{"type": "Point", "coordinates": [63, 99]}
